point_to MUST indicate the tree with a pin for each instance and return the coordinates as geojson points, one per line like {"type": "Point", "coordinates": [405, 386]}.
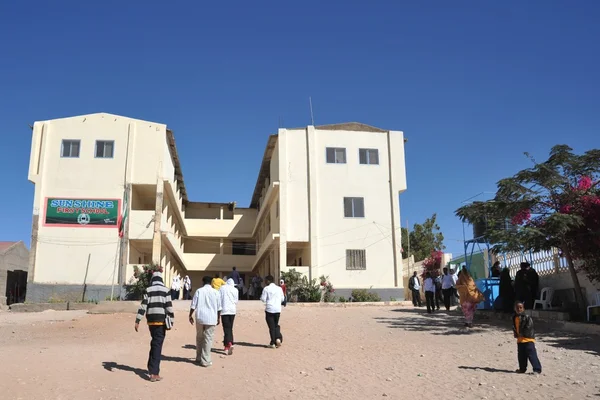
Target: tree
{"type": "Point", "coordinates": [424, 239]}
{"type": "Point", "coordinates": [555, 203]}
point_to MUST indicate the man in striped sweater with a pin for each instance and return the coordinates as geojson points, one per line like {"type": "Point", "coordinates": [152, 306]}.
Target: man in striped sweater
{"type": "Point", "coordinates": [156, 306]}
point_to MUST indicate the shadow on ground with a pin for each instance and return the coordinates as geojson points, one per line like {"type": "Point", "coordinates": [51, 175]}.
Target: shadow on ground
{"type": "Point", "coordinates": [110, 366]}
{"type": "Point", "coordinates": [437, 323]}
{"type": "Point", "coordinates": [452, 323]}
{"type": "Point", "coordinates": [487, 369]}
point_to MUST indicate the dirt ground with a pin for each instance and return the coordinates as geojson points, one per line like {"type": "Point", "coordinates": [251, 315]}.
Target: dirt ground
{"type": "Point", "coordinates": [336, 353]}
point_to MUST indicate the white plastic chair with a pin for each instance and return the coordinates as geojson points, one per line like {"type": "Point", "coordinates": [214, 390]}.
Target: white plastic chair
{"type": "Point", "coordinates": [597, 305]}
{"type": "Point", "coordinates": [545, 298]}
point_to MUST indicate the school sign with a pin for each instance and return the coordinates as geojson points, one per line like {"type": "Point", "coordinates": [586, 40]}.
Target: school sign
{"type": "Point", "coordinates": [79, 213]}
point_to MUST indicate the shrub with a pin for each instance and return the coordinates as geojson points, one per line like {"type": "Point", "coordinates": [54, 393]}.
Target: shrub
{"type": "Point", "coordinates": [142, 276]}
{"type": "Point", "coordinates": [342, 299]}
{"type": "Point", "coordinates": [363, 295]}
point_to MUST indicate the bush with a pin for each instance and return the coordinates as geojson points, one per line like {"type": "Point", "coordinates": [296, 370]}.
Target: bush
{"type": "Point", "coordinates": [142, 277]}
{"type": "Point", "coordinates": [342, 299]}
{"type": "Point", "coordinates": [301, 290]}
{"type": "Point", "coordinates": [363, 295]}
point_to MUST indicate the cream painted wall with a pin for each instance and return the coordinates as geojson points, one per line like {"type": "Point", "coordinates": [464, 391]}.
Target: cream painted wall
{"type": "Point", "coordinates": [332, 233]}
{"type": "Point", "coordinates": [294, 184]}
{"type": "Point", "coordinates": [62, 253]}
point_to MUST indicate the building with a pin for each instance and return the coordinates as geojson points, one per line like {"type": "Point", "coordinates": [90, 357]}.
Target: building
{"type": "Point", "coordinates": [14, 263]}
{"type": "Point", "coordinates": [325, 202]}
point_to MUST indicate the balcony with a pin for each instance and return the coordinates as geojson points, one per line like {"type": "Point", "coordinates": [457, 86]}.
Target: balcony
{"type": "Point", "coordinates": [141, 224]}
{"type": "Point", "coordinates": [240, 225]}
{"type": "Point", "coordinates": [217, 262]}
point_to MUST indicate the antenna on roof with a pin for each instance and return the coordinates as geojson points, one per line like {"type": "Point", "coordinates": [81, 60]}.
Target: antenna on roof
{"type": "Point", "coordinates": [312, 117]}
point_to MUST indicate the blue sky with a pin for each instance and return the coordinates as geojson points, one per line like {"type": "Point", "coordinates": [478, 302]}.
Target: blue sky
{"type": "Point", "coordinates": [473, 84]}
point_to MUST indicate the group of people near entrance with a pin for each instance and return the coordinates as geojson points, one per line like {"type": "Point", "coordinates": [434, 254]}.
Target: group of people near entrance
{"type": "Point", "coordinates": [214, 304]}
{"type": "Point", "coordinates": [513, 297]}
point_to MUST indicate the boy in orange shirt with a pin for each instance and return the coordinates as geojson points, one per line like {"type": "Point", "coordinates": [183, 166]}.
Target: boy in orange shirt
{"type": "Point", "coordinates": [525, 335]}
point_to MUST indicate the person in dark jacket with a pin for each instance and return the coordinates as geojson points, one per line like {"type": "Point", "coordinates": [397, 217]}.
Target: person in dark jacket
{"type": "Point", "coordinates": [527, 282]}
{"type": "Point", "coordinates": [496, 270]}
{"type": "Point", "coordinates": [507, 291]}
{"type": "Point", "coordinates": [156, 306]}
{"type": "Point", "coordinates": [415, 287]}
{"type": "Point", "coordinates": [525, 335]}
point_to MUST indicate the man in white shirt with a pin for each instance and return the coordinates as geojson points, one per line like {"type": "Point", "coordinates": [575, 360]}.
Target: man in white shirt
{"type": "Point", "coordinates": [429, 287]}
{"type": "Point", "coordinates": [229, 299]}
{"type": "Point", "coordinates": [415, 287]}
{"type": "Point", "coordinates": [448, 283]}
{"type": "Point", "coordinates": [207, 304]}
{"type": "Point", "coordinates": [272, 296]}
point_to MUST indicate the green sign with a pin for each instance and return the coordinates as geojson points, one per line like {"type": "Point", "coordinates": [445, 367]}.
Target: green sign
{"type": "Point", "coordinates": [82, 212]}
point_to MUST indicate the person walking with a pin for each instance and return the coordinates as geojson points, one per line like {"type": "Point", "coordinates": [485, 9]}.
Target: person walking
{"type": "Point", "coordinates": [217, 282]}
{"type": "Point", "coordinates": [156, 307]}
{"type": "Point", "coordinates": [429, 287]}
{"type": "Point", "coordinates": [447, 288]}
{"type": "Point", "coordinates": [272, 296]}
{"type": "Point", "coordinates": [187, 288]}
{"type": "Point", "coordinates": [438, 292]}
{"type": "Point", "coordinates": [229, 299]}
{"type": "Point", "coordinates": [469, 296]}
{"type": "Point", "coordinates": [284, 288]}
{"type": "Point", "coordinates": [415, 287]}
{"type": "Point", "coordinates": [207, 305]}
{"type": "Point", "coordinates": [175, 288]}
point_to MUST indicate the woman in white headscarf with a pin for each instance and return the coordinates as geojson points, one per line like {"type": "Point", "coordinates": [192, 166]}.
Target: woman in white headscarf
{"type": "Point", "coordinates": [187, 288]}
{"type": "Point", "coordinates": [175, 288]}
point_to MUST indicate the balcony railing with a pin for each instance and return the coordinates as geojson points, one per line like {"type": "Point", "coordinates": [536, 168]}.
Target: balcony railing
{"type": "Point", "coordinates": [240, 226]}
{"type": "Point", "coordinates": [218, 262]}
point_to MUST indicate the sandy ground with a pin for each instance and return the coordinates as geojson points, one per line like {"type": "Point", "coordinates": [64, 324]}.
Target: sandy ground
{"type": "Point", "coordinates": [371, 352]}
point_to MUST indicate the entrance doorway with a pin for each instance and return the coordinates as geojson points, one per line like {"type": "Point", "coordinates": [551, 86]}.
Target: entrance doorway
{"type": "Point", "coordinates": [16, 287]}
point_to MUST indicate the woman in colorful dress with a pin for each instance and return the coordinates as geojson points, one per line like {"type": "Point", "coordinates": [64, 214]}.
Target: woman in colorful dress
{"type": "Point", "coordinates": [469, 296]}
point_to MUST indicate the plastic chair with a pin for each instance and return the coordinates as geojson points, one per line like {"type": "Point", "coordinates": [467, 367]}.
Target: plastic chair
{"type": "Point", "coordinates": [597, 305]}
{"type": "Point", "coordinates": [545, 298]}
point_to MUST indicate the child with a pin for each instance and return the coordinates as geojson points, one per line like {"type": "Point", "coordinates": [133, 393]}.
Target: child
{"type": "Point", "coordinates": [523, 330]}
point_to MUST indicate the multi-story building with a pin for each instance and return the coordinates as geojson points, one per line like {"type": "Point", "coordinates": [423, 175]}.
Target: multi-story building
{"type": "Point", "coordinates": [109, 194]}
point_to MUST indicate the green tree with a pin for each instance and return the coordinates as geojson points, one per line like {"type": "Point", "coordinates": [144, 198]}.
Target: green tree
{"type": "Point", "coordinates": [425, 238]}
{"type": "Point", "coordinates": [555, 203]}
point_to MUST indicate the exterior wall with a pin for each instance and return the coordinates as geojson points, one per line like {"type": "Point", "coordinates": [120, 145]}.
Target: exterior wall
{"type": "Point", "coordinates": [294, 184]}
{"type": "Point", "coordinates": [141, 156]}
{"type": "Point", "coordinates": [563, 281]}
{"type": "Point", "coordinates": [15, 258]}
{"type": "Point", "coordinates": [330, 232]}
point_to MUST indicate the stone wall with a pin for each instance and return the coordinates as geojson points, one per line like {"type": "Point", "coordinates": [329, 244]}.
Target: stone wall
{"type": "Point", "coordinates": [43, 293]}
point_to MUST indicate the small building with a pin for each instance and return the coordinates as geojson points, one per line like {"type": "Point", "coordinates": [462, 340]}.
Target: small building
{"type": "Point", "coordinates": [110, 195]}
{"type": "Point", "coordinates": [14, 263]}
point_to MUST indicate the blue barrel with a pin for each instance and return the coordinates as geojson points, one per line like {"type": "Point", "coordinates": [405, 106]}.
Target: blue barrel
{"type": "Point", "coordinates": [491, 290]}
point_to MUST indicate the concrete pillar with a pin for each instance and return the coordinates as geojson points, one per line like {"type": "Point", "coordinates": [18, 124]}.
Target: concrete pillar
{"type": "Point", "coordinates": [221, 213]}
{"type": "Point", "coordinates": [157, 238]}
{"type": "Point", "coordinates": [221, 244]}
{"type": "Point", "coordinates": [312, 178]}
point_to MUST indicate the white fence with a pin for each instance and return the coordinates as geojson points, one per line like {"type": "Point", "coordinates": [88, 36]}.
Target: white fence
{"type": "Point", "coordinates": [544, 262]}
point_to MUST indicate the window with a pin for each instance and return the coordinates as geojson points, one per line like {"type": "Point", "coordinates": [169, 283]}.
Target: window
{"type": "Point", "coordinates": [368, 156]}
{"type": "Point", "coordinates": [243, 248]}
{"type": "Point", "coordinates": [336, 155]}
{"type": "Point", "coordinates": [105, 148]}
{"type": "Point", "coordinates": [70, 149]}
{"type": "Point", "coordinates": [354, 207]}
{"type": "Point", "coordinates": [356, 260]}
{"type": "Point", "coordinates": [277, 209]}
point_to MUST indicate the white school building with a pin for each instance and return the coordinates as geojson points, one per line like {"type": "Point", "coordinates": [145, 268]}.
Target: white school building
{"type": "Point", "coordinates": [326, 202]}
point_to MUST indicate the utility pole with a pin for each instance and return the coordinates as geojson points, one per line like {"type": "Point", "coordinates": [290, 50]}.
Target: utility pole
{"type": "Point", "coordinates": [408, 239]}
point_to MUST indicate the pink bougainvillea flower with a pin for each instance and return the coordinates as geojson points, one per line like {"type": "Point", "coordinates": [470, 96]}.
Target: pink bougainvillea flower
{"type": "Point", "coordinates": [585, 183]}
{"type": "Point", "coordinates": [566, 209]}
{"type": "Point", "coordinates": [521, 217]}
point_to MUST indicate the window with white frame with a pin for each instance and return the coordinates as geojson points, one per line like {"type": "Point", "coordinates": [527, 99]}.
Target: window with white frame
{"type": "Point", "coordinates": [336, 155]}
{"type": "Point", "coordinates": [368, 156]}
{"type": "Point", "coordinates": [70, 148]}
{"type": "Point", "coordinates": [356, 260]}
{"type": "Point", "coordinates": [105, 148]}
{"type": "Point", "coordinates": [354, 207]}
